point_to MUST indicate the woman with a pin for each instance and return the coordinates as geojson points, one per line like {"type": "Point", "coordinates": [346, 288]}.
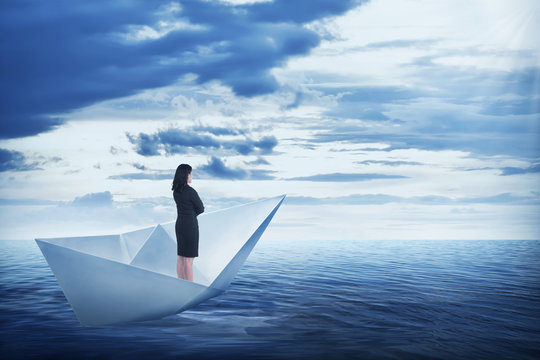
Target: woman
{"type": "Point", "coordinates": [188, 206]}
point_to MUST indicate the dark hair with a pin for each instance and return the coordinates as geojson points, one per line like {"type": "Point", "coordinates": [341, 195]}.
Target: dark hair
{"type": "Point", "coordinates": [180, 177]}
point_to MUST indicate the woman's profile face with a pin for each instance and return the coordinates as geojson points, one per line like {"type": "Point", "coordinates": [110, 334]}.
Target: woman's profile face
{"type": "Point", "coordinates": [190, 177]}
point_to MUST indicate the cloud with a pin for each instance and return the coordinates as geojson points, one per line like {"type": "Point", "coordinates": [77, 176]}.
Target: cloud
{"type": "Point", "coordinates": [520, 106]}
{"type": "Point", "coordinates": [494, 92]}
{"type": "Point", "coordinates": [468, 108]}
{"type": "Point", "coordinates": [400, 43]}
{"type": "Point", "coordinates": [178, 141]}
{"type": "Point", "coordinates": [139, 166]}
{"type": "Point", "coordinates": [514, 171]}
{"type": "Point", "coordinates": [444, 132]}
{"type": "Point", "coordinates": [145, 144]}
{"type": "Point", "coordinates": [343, 177]}
{"type": "Point", "coordinates": [27, 202]}
{"type": "Point", "coordinates": [503, 198]}
{"type": "Point", "coordinates": [216, 168]}
{"type": "Point", "coordinates": [266, 144]}
{"type": "Point", "coordinates": [377, 199]}
{"type": "Point", "coordinates": [115, 151]}
{"type": "Point", "coordinates": [100, 199]}
{"type": "Point", "coordinates": [298, 98]}
{"type": "Point", "coordinates": [59, 56]}
{"type": "Point", "coordinates": [389, 163]}
{"type": "Point", "coordinates": [353, 199]}
{"type": "Point", "coordinates": [258, 161]}
{"type": "Point", "coordinates": [15, 161]}
{"type": "Point", "coordinates": [216, 130]}
{"type": "Point", "coordinates": [373, 94]}
{"type": "Point", "coordinates": [260, 174]}
{"type": "Point", "coordinates": [366, 102]}
{"type": "Point", "coordinates": [299, 11]}
{"type": "Point", "coordinates": [144, 176]}
{"type": "Point", "coordinates": [89, 214]}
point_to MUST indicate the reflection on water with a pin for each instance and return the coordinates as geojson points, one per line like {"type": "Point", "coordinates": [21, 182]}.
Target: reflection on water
{"type": "Point", "coordinates": [306, 299]}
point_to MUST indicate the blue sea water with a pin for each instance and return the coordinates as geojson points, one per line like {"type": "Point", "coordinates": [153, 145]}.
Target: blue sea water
{"type": "Point", "coordinates": [305, 300]}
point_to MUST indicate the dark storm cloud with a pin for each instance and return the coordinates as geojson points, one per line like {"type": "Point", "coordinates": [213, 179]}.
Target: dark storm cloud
{"type": "Point", "coordinates": [15, 161]}
{"type": "Point", "coordinates": [298, 11]}
{"type": "Point", "coordinates": [182, 141]}
{"type": "Point", "coordinates": [59, 55]}
{"type": "Point", "coordinates": [340, 177]}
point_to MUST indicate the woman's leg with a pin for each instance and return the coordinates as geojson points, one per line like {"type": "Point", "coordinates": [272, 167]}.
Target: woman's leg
{"type": "Point", "coordinates": [179, 267]}
{"type": "Point", "coordinates": [188, 268]}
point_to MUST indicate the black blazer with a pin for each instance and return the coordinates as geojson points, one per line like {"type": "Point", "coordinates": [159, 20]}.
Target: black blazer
{"type": "Point", "coordinates": [188, 202]}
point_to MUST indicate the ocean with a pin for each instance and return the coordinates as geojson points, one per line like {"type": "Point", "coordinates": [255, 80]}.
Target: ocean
{"type": "Point", "coordinates": [305, 300]}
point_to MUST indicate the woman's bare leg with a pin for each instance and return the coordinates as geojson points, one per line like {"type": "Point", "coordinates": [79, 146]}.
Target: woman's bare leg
{"type": "Point", "coordinates": [179, 267]}
{"type": "Point", "coordinates": [188, 268]}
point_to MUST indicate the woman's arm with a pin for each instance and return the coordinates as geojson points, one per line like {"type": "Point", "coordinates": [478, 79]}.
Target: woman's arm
{"type": "Point", "coordinates": [197, 203]}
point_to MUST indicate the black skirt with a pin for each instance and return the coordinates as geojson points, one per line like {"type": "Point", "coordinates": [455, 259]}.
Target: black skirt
{"type": "Point", "coordinates": [187, 236]}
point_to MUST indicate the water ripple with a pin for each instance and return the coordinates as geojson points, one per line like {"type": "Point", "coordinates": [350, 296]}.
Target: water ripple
{"type": "Point", "coordinates": [306, 300]}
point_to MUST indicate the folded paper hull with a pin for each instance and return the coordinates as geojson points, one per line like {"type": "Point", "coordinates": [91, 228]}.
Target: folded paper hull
{"type": "Point", "coordinates": [132, 276]}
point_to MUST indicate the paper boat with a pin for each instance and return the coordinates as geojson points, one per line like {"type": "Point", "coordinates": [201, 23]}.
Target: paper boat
{"type": "Point", "coordinates": [132, 276]}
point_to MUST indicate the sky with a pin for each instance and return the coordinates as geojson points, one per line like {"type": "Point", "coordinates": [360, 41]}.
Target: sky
{"type": "Point", "coordinates": [382, 119]}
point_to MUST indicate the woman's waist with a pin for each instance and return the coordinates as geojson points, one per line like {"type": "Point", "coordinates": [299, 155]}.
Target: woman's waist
{"type": "Point", "coordinates": [187, 215]}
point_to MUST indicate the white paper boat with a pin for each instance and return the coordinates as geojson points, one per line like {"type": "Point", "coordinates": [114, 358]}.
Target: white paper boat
{"type": "Point", "coordinates": [132, 276]}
